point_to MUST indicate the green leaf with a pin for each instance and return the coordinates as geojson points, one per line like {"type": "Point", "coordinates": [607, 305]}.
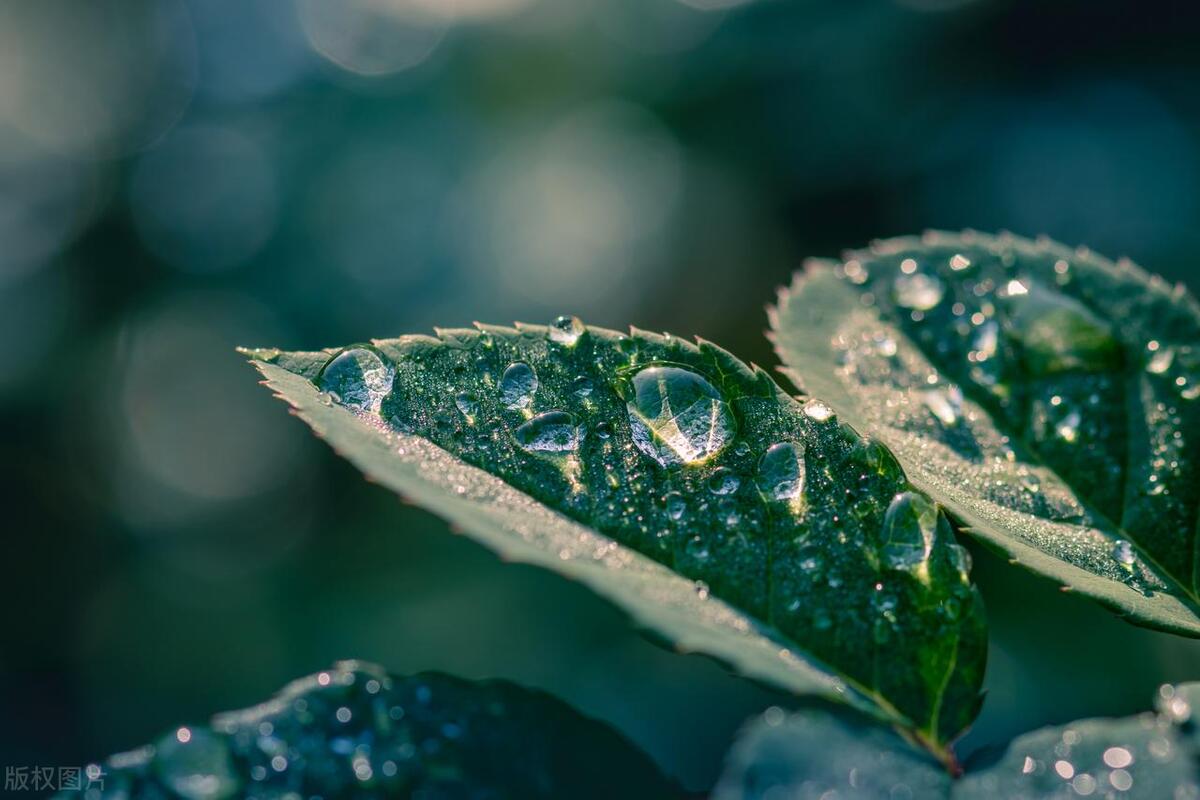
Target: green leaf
{"type": "Point", "coordinates": [813, 754]}
{"type": "Point", "coordinates": [1047, 397]}
{"type": "Point", "coordinates": [1144, 756]}
{"type": "Point", "coordinates": [681, 484]}
{"type": "Point", "coordinates": [355, 731]}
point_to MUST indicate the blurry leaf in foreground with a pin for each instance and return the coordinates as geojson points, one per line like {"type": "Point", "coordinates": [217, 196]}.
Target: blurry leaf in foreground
{"type": "Point", "coordinates": [355, 731]}
{"type": "Point", "coordinates": [1048, 397]}
{"type": "Point", "coordinates": [681, 484]}
{"type": "Point", "coordinates": [814, 754]}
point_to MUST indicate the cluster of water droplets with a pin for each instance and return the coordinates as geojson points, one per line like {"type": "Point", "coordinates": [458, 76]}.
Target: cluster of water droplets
{"type": "Point", "coordinates": [975, 316]}
{"type": "Point", "coordinates": [703, 466]}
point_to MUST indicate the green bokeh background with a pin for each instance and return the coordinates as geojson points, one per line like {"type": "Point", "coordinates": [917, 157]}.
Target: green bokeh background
{"type": "Point", "coordinates": [177, 178]}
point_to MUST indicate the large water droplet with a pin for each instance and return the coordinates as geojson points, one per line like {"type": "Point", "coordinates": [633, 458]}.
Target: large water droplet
{"type": "Point", "coordinates": [517, 385]}
{"type": "Point", "coordinates": [919, 291]}
{"type": "Point", "coordinates": [1059, 334]}
{"type": "Point", "coordinates": [678, 417]}
{"type": "Point", "coordinates": [565, 330]}
{"type": "Point", "coordinates": [196, 765]}
{"type": "Point", "coordinates": [549, 432]}
{"type": "Point", "coordinates": [909, 527]}
{"type": "Point", "coordinates": [781, 471]}
{"type": "Point", "coordinates": [358, 378]}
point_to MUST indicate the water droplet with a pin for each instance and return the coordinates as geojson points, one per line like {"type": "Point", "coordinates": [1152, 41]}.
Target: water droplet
{"type": "Point", "coordinates": [549, 432]}
{"type": "Point", "coordinates": [358, 378]}
{"type": "Point", "coordinates": [517, 385]}
{"type": "Point", "coordinates": [196, 765]}
{"type": "Point", "coordinates": [822, 621]}
{"type": "Point", "coordinates": [582, 386]}
{"type": "Point", "coordinates": [675, 505]}
{"type": "Point", "coordinates": [723, 481]}
{"type": "Point", "coordinates": [468, 405]}
{"type": "Point", "coordinates": [678, 417]}
{"type": "Point", "coordinates": [960, 557]}
{"type": "Point", "coordinates": [945, 404]}
{"type": "Point", "coordinates": [959, 262]}
{"type": "Point", "coordinates": [986, 341]}
{"type": "Point", "coordinates": [817, 411]}
{"type": "Point", "coordinates": [781, 471]}
{"type": "Point", "coordinates": [875, 459]}
{"type": "Point", "coordinates": [565, 330]}
{"type": "Point", "coordinates": [697, 548]}
{"type": "Point", "coordinates": [918, 291]}
{"type": "Point", "coordinates": [1123, 553]}
{"type": "Point", "coordinates": [909, 527]}
{"type": "Point", "coordinates": [1068, 428]}
{"type": "Point", "coordinates": [1160, 360]}
{"type": "Point", "coordinates": [603, 430]}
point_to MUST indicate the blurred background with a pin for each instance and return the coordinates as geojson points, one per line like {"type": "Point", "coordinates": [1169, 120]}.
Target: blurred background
{"type": "Point", "coordinates": [180, 177]}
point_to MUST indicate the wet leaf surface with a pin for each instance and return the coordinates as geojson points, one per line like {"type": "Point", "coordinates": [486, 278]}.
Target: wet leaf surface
{"type": "Point", "coordinates": [686, 487]}
{"type": "Point", "coordinates": [810, 755]}
{"type": "Point", "coordinates": [355, 731]}
{"type": "Point", "coordinates": [1048, 397]}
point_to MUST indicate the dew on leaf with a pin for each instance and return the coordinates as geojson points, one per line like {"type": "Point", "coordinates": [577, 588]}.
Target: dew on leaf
{"type": "Point", "coordinates": [468, 405]}
{"type": "Point", "coordinates": [358, 378]}
{"type": "Point", "coordinates": [944, 403]}
{"type": "Point", "coordinates": [565, 330]}
{"type": "Point", "coordinates": [918, 291]}
{"type": "Point", "coordinates": [548, 432]}
{"type": "Point", "coordinates": [723, 481]}
{"type": "Point", "coordinates": [517, 386]}
{"type": "Point", "coordinates": [1160, 359]}
{"type": "Point", "coordinates": [1123, 553]}
{"type": "Point", "coordinates": [678, 417]}
{"type": "Point", "coordinates": [675, 505]}
{"type": "Point", "coordinates": [582, 386]}
{"type": "Point", "coordinates": [909, 526]}
{"type": "Point", "coordinates": [781, 471]}
{"type": "Point", "coordinates": [817, 411]}
{"type": "Point", "coordinates": [196, 765]}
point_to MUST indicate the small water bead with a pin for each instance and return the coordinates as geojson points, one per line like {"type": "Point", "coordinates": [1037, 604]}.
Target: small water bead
{"type": "Point", "coordinates": [959, 262]}
{"type": "Point", "coordinates": [677, 417]}
{"type": "Point", "coordinates": [582, 386]}
{"type": "Point", "coordinates": [822, 621]}
{"type": "Point", "coordinates": [723, 481]}
{"type": "Point", "coordinates": [358, 378]}
{"type": "Point", "coordinates": [565, 330]}
{"type": "Point", "coordinates": [1161, 359]}
{"type": "Point", "coordinates": [945, 404]}
{"type": "Point", "coordinates": [817, 411]}
{"type": "Point", "coordinates": [675, 505]}
{"type": "Point", "coordinates": [468, 405]}
{"type": "Point", "coordinates": [1124, 554]}
{"type": "Point", "coordinates": [697, 548]}
{"type": "Point", "coordinates": [918, 291]}
{"type": "Point", "coordinates": [1068, 428]}
{"type": "Point", "coordinates": [517, 386]}
{"type": "Point", "coordinates": [196, 765]}
{"type": "Point", "coordinates": [909, 527]}
{"type": "Point", "coordinates": [549, 432]}
{"type": "Point", "coordinates": [781, 471]}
